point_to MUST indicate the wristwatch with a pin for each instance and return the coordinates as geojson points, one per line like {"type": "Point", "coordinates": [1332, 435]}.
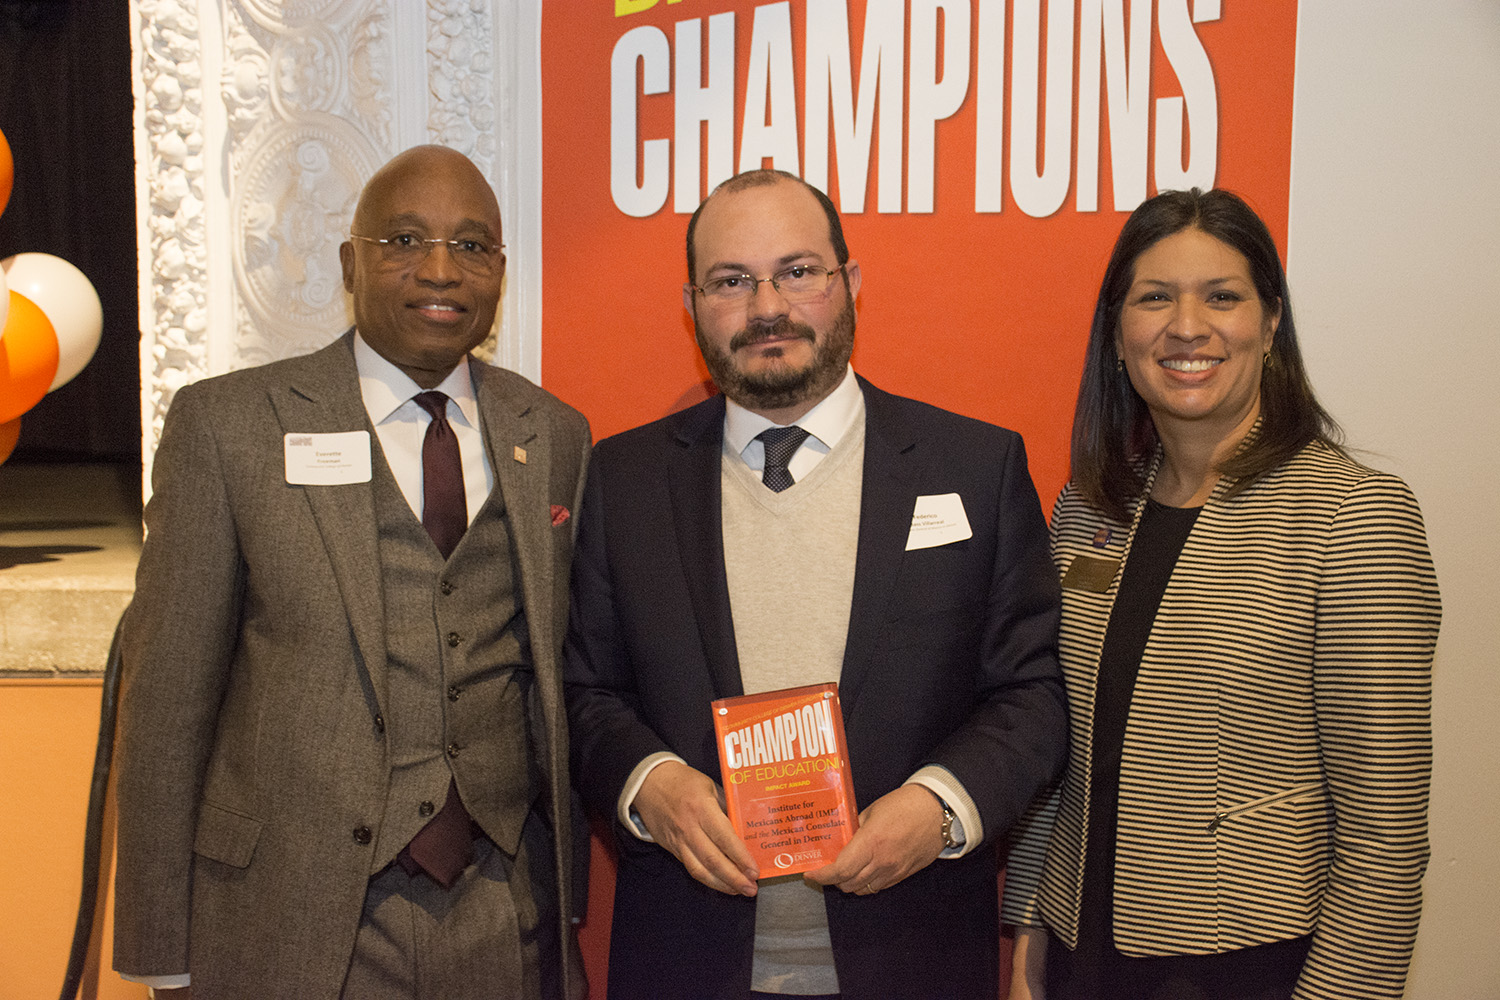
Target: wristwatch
{"type": "Point", "coordinates": [949, 841]}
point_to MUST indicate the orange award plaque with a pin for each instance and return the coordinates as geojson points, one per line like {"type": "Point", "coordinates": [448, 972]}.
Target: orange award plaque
{"type": "Point", "coordinates": [786, 776]}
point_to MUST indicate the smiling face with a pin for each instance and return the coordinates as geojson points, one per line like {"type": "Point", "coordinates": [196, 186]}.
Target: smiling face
{"type": "Point", "coordinates": [1192, 334]}
{"type": "Point", "coordinates": [424, 316]}
{"type": "Point", "coordinates": [771, 356]}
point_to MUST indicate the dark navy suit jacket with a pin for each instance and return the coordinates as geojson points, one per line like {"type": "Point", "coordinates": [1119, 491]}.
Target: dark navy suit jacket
{"type": "Point", "coordinates": [950, 659]}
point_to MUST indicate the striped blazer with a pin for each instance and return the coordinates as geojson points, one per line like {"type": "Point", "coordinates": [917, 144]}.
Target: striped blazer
{"type": "Point", "coordinates": [1277, 753]}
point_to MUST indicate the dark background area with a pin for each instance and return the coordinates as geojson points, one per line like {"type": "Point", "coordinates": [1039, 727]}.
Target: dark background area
{"type": "Point", "coordinates": [65, 109]}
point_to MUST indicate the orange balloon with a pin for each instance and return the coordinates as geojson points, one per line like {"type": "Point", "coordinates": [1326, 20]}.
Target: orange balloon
{"type": "Point", "coordinates": [28, 357]}
{"type": "Point", "coordinates": [9, 434]}
{"type": "Point", "coordinates": [7, 171]}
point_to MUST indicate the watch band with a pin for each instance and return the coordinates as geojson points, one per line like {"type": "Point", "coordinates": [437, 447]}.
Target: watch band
{"type": "Point", "coordinates": [948, 838]}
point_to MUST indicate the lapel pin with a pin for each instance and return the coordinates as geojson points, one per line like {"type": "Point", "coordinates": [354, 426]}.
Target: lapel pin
{"type": "Point", "coordinates": [1103, 537]}
{"type": "Point", "coordinates": [520, 454]}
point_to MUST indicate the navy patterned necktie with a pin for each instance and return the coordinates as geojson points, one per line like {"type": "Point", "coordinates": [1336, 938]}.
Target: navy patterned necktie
{"type": "Point", "coordinates": [781, 443]}
{"type": "Point", "coordinates": [445, 513]}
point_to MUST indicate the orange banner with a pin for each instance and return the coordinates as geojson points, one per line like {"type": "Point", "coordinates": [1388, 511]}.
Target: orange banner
{"type": "Point", "coordinates": [983, 153]}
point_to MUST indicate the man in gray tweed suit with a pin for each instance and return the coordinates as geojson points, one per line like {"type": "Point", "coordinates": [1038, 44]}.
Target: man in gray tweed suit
{"type": "Point", "coordinates": [343, 754]}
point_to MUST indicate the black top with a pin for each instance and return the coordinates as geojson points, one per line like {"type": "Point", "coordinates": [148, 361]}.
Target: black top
{"type": "Point", "coordinates": [1097, 970]}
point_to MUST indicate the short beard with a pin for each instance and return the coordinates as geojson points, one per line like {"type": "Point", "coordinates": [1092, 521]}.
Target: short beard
{"type": "Point", "coordinates": [785, 388]}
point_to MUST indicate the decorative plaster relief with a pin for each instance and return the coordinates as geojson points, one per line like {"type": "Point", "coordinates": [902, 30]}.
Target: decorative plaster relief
{"type": "Point", "coordinates": [175, 348]}
{"type": "Point", "coordinates": [296, 164]}
{"type": "Point", "coordinates": [278, 15]}
{"type": "Point", "coordinates": [460, 47]}
{"type": "Point", "coordinates": [245, 86]}
{"type": "Point", "coordinates": [292, 204]}
{"type": "Point", "coordinates": [369, 79]}
{"type": "Point", "coordinates": [316, 94]}
{"type": "Point", "coordinates": [308, 71]}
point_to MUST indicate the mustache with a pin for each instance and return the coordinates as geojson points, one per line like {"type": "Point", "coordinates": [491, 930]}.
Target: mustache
{"type": "Point", "coordinates": [781, 329]}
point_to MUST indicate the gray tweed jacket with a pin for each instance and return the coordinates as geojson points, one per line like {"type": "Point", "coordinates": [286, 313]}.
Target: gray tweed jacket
{"type": "Point", "coordinates": [253, 675]}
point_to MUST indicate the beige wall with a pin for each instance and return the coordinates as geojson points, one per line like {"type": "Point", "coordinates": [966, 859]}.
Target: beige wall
{"type": "Point", "coordinates": [1395, 274]}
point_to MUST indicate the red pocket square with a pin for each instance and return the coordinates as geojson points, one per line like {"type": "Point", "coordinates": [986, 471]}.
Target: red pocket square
{"type": "Point", "coordinates": [559, 514]}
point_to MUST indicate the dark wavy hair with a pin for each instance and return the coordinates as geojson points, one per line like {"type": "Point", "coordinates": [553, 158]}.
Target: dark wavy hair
{"type": "Point", "coordinates": [762, 178]}
{"type": "Point", "coordinates": [1112, 429]}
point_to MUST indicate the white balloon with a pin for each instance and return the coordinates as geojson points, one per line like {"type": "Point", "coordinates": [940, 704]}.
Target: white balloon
{"type": "Point", "coordinates": [69, 302]}
{"type": "Point", "coordinates": [4, 303]}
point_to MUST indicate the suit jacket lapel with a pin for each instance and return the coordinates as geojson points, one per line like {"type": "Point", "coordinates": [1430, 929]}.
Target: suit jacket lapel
{"type": "Point", "coordinates": [693, 471]}
{"type": "Point", "coordinates": [520, 454]}
{"type": "Point", "coordinates": [323, 396]}
{"type": "Point", "coordinates": [519, 445]}
{"type": "Point", "coordinates": [887, 499]}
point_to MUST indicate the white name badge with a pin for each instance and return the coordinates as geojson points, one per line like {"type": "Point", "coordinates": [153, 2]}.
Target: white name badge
{"type": "Point", "coordinates": [938, 520]}
{"type": "Point", "coordinates": [327, 459]}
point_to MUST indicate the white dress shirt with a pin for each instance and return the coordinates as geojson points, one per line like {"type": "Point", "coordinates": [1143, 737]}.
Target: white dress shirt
{"type": "Point", "coordinates": [402, 424]}
{"type": "Point", "coordinates": [826, 424]}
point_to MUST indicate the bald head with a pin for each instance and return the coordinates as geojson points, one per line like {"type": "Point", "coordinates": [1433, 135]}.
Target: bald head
{"type": "Point", "coordinates": [417, 167]}
{"type": "Point", "coordinates": [423, 296]}
{"type": "Point", "coordinates": [765, 178]}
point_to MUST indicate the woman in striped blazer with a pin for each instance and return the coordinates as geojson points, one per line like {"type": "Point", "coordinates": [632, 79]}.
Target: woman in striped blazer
{"type": "Point", "coordinates": [1249, 619]}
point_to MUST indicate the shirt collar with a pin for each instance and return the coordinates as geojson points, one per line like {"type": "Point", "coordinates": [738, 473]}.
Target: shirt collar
{"type": "Point", "coordinates": [829, 421]}
{"type": "Point", "coordinates": [386, 388]}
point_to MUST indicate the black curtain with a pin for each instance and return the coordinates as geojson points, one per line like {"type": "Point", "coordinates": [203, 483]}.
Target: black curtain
{"type": "Point", "coordinates": [65, 109]}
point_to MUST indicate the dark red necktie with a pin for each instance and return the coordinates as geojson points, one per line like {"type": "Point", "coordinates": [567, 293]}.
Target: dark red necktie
{"type": "Point", "coordinates": [445, 514]}
{"type": "Point", "coordinates": [445, 846]}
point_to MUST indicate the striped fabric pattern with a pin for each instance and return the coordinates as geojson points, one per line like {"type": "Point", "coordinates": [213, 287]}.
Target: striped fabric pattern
{"type": "Point", "coordinates": [1277, 756]}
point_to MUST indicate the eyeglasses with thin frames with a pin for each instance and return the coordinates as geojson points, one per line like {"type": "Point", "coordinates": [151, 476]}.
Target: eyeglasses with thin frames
{"type": "Point", "coordinates": [472, 254]}
{"type": "Point", "coordinates": [797, 283]}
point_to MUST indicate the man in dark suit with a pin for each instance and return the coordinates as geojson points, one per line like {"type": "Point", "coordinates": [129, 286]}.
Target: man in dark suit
{"type": "Point", "coordinates": [884, 544]}
{"type": "Point", "coordinates": [343, 757]}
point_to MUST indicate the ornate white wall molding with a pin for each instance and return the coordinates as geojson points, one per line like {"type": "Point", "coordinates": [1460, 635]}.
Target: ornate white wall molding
{"type": "Point", "coordinates": [173, 262]}
{"type": "Point", "coordinates": [257, 122]}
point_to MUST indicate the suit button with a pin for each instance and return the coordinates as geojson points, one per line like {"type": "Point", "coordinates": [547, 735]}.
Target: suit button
{"type": "Point", "coordinates": [454, 638]}
{"type": "Point", "coordinates": [379, 723]}
{"type": "Point", "coordinates": [453, 750]}
{"type": "Point", "coordinates": [425, 809]}
{"type": "Point", "coordinates": [452, 692]}
{"type": "Point", "coordinates": [362, 835]}
{"type": "Point", "coordinates": [446, 588]}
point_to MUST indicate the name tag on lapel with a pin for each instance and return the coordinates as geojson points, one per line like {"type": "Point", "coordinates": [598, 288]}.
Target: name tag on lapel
{"type": "Point", "coordinates": [938, 520]}
{"type": "Point", "coordinates": [327, 459]}
{"type": "Point", "coordinates": [1092, 573]}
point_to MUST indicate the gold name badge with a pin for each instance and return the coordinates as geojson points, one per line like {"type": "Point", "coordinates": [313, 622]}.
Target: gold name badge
{"type": "Point", "coordinates": [1090, 573]}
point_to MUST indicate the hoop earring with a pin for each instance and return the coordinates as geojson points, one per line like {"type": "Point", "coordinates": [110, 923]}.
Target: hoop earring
{"type": "Point", "coordinates": [1120, 363]}
{"type": "Point", "coordinates": [1267, 361]}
